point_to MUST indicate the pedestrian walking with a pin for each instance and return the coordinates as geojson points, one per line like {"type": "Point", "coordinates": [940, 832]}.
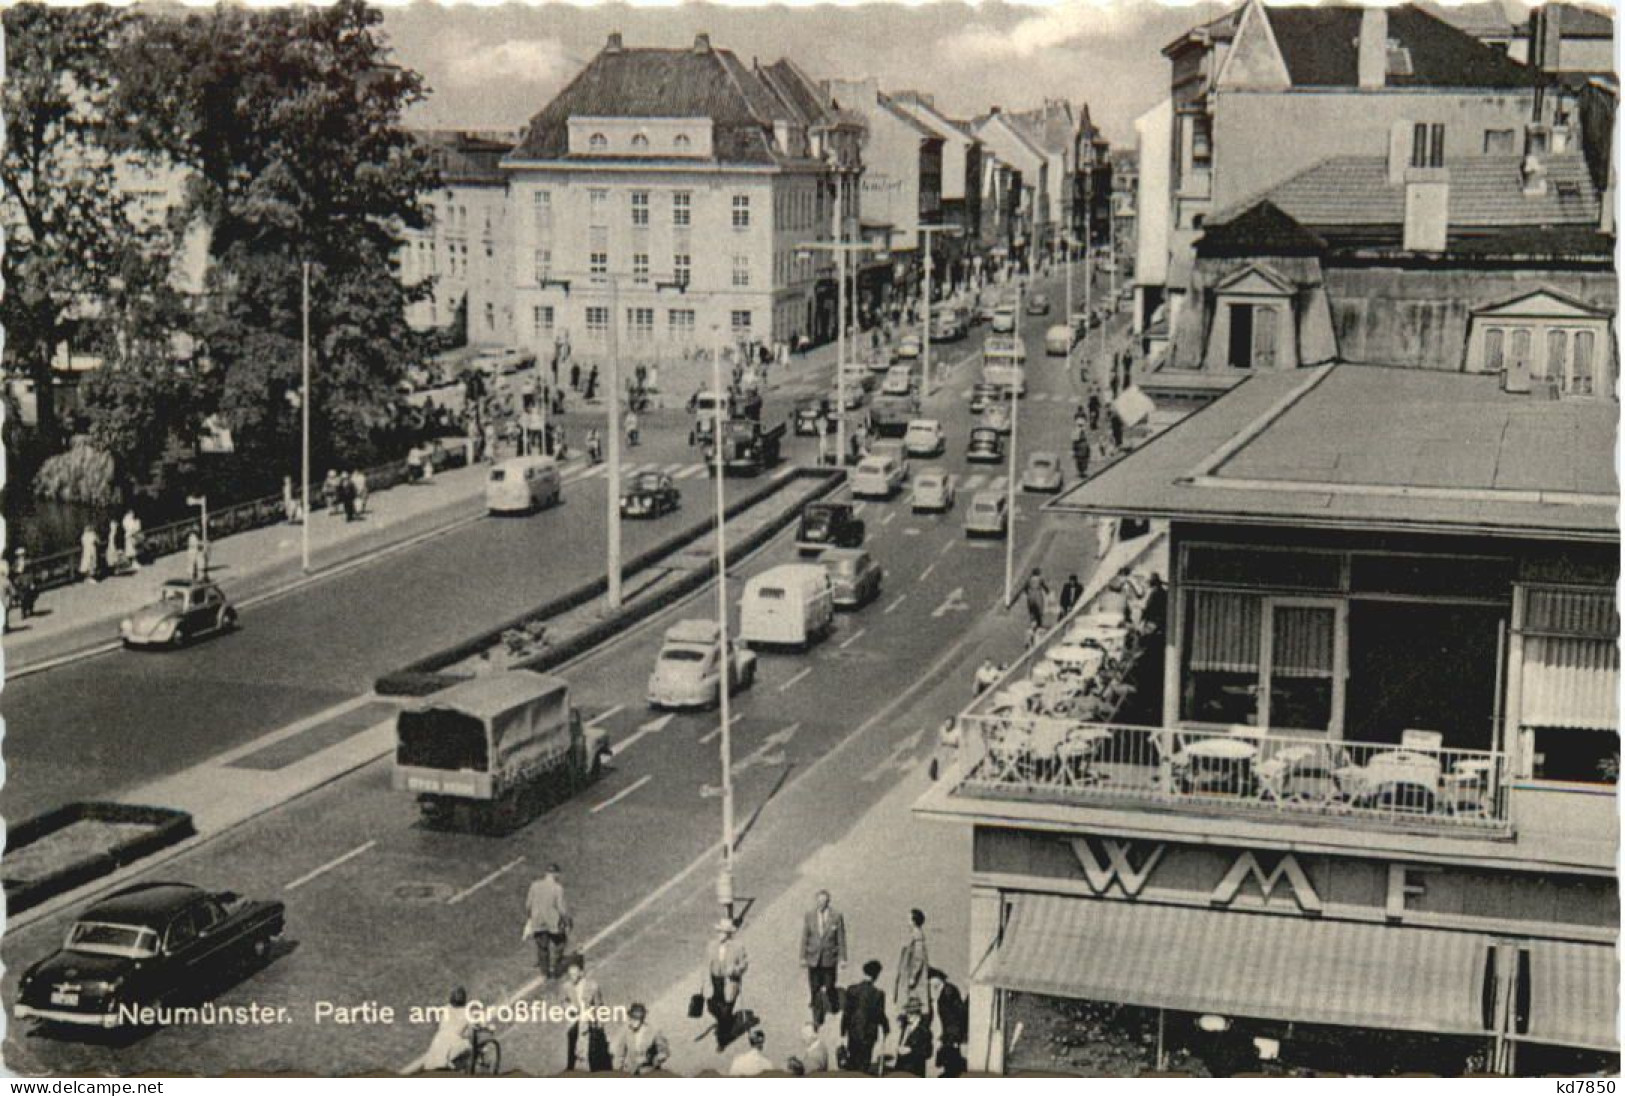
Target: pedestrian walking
{"type": "Point", "coordinates": [595, 446]}
{"type": "Point", "coordinates": [1116, 422]}
{"type": "Point", "coordinates": [863, 1020]}
{"type": "Point", "coordinates": [22, 583]}
{"type": "Point", "coordinates": [986, 674]}
{"type": "Point", "coordinates": [358, 486]}
{"type": "Point", "coordinates": [912, 964]}
{"type": "Point", "coordinates": [592, 382]}
{"type": "Point", "coordinates": [330, 491]}
{"type": "Point", "coordinates": [90, 551]}
{"type": "Point", "coordinates": [1071, 591]}
{"type": "Point", "coordinates": [414, 464]}
{"type": "Point", "coordinates": [547, 921]}
{"type": "Point", "coordinates": [727, 967]}
{"type": "Point", "coordinates": [115, 556]}
{"type": "Point", "coordinates": [346, 490]}
{"type": "Point", "coordinates": [1036, 592]}
{"type": "Point", "coordinates": [7, 596]}
{"type": "Point", "coordinates": [953, 1024]}
{"type": "Point", "coordinates": [632, 428]}
{"type": "Point", "coordinates": [823, 954]}
{"type": "Point", "coordinates": [1094, 411]}
{"type": "Point", "coordinates": [638, 1047]}
{"type": "Point", "coordinates": [134, 547]}
{"type": "Point", "coordinates": [947, 750]}
{"type": "Point", "coordinates": [913, 1040]}
{"type": "Point", "coordinates": [813, 1056]}
{"type": "Point", "coordinates": [753, 1060]}
{"type": "Point", "coordinates": [575, 376]}
{"type": "Point", "coordinates": [583, 996]}
{"type": "Point", "coordinates": [197, 557]}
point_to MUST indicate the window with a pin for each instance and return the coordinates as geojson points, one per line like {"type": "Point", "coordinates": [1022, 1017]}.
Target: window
{"type": "Point", "coordinates": [640, 208]}
{"type": "Point", "coordinates": [598, 142]}
{"type": "Point", "coordinates": [1522, 345]}
{"type": "Point", "coordinates": [681, 208]}
{"type": "Point", "coordinates": [1262, 661]}
{"type": "Point", "coordinates": [1581, 381]}
{"type": "Point", "coordinates": [1252, 336]}
{"type": "Point", "coordinates": [1494, 350]}
{"type": "Point", "coordinates": [741, 278]}
{"type": "Point", "coordinates": [682, 268]}
{"type": "Point", "coordinates": [680, 323]}
{"type": "Point", "coordinates": [740, 321]}
{"type": "Point", "coordinates": [598, 204]}
{"type": "Point", "coordinates": [640, 142]}
{"type": "Point", "coordinates": [681, 142]}
{"type": "Point", "coordinates": [597, 320]}
{"type": "Point", "coordinates": [543, 205]}
{"type": "Point", "coordinates": [741, 210]}
{"type": "Point", "coordinates": [1557, 354]}
{"type": "Point", "coordinates": [598, 264]}
{"type": "Point", "coordinates": [641, 323]}
{"type": "Point", "coordinates": [1498, 142]}
{"type": "Point", "coordinates": [1570, 694]}
{"type": "Point", "coordinates": [541, 319]}
{"type": "Point", "coordinates": [1427, 144]}
{"type": "Point", "coordinates": [543, 264]}
{"type": "Point", "coordinates": [640, 269]}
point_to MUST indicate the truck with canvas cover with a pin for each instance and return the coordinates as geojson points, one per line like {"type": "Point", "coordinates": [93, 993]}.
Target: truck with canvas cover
{"type": "Point", "coordinates": [484, 754]}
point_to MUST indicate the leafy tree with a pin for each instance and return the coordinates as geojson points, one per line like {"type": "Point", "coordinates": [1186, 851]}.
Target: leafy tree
{"type": "Point", "coordinates": [289, 120]}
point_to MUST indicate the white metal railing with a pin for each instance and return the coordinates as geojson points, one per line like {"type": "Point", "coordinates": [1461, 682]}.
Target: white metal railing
{"type": "Point", "coordinates": [1245, 771]}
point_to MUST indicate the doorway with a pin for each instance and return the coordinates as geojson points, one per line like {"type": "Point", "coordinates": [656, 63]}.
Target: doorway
{"type": "Point", "coordinates": [1423, 667]}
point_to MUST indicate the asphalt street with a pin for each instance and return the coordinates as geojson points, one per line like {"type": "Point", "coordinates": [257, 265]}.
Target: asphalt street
{"type": "Point", "coordinates": [384, 910]}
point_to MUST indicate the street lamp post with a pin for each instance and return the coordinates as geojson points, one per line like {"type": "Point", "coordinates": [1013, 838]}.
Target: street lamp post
{"type": "Point", "coordinates": [304, 417]}
{"type": "Point", "coordinates": [839, 248]}
{"type": "Point", "coordinates": [1010, 485]}
{"type": "Point", "coordinates": [925, 342]}
{"type": "Point", "coordinates": [612, 475]}
{"type": "Point", "coordinates": [725, 890]}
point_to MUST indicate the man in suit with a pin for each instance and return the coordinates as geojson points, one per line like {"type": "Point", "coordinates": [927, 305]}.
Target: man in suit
{"type": "Point", "coordinates": [863, 1019]}
{"type": "Point", "coordinates": [954, 1020]}
{"type": "Point", "coordinates": [823, 953]}
{"type": "Point", "coordinates": [638, 1048]}
{"type": "Point", "coordinates": [728, 965]}
{"type": "Point", "coordinates": [547, 921]}
{"type": "Point", "coordinates": [583, 996]}
{"type": "Point", "coordinates": [913, 1040]}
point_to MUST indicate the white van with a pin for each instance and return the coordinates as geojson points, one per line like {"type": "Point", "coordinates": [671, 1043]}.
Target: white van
{"type": "Point", "coordinates": [522, 484]}
{"type": "Point", "coordinates": [791, 605]}
{"type": "Point", "coordinates": [877, 477]}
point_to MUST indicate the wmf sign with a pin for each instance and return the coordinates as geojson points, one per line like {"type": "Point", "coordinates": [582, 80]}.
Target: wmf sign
{"type": "Point", "coordinates": [1114, 867]}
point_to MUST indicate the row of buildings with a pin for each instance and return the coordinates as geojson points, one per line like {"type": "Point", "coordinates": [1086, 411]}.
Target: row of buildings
{"type": "Point", "coordinates": [1358, 811]}
{"type": "Point", "coordinates": [678, 195]}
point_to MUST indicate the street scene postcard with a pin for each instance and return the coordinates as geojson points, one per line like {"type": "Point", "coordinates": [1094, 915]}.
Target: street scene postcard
{"type": "Point", "coordinates": [919, 540]}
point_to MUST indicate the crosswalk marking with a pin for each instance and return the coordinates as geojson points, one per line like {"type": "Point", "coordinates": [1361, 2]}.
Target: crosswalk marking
{"type": "Point", "coordinates": [673, 469]}
{"type": "Point", "coordinates": [690, 472]}
{"type": "Point", "coordinates": [974, 481]}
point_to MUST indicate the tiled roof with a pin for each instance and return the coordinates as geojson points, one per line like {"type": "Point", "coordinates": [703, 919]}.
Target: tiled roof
{"type": "Point", "coordinates": [797, 92]}
{"type": "Point", "coordinates": [664, 83]}
{"type": "Point", "coordinates": [1262, 229]}
{"type": "Point", "coordinates": [927, 114]}
{"type": "Point", "coordinates": [1363, 446]}
{"type": "Point", "coordinates": [1485, 192]}
{"type": "Point", "coordinates": [467, 158]}
{"type": "Point", "coordinates": [1320, 48]}
{"type": "Point", "coordinates": [885, 103]}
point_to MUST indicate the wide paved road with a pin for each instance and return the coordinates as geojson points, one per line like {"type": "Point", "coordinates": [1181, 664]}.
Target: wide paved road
{"type": "Point", "coordinates": [401, 913]}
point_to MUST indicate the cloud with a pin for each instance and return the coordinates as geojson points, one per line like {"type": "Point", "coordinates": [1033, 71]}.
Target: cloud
{"type": "Point", "coordinates": [1066, 24]}
{"type": "Point", "coordinates": [523, 60]}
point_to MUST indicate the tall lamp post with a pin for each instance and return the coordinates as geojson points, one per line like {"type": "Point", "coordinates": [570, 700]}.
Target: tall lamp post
{"type": "Point", "coordinates": [1010, 485]}
{"type": "Point", "coordinates": [304, 417]}
{"type": "Point", "coordinates": [840, 248]}
{"type": "Point", "coordinates": [725, 888]}
{"type": "Point", "coordinates": [929, 231]}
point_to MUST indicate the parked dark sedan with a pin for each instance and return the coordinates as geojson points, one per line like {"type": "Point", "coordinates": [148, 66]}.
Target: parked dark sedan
{"type": "Point", "coordinates": [982, 396]}
{"type": "Point", "coordinates": [828, 525]}
{"type": "Point", "coordinates": [144, 948]}
{"type": "Point", "coordinates": [649, 495]}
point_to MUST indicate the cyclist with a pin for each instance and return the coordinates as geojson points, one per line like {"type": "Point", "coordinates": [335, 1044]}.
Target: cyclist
{"type": "Point", "coordinates": [454, 1040]}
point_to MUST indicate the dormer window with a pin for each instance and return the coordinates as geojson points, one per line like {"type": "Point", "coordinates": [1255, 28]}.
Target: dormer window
{"type": "Point", "coordinates": [681, 142]}
{"type": "Point", "coordinates": [597, 143]}
{"type": "Point", "coordinates": [640, 142]}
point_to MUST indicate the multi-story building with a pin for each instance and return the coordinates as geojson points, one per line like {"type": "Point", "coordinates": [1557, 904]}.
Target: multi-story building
{"type": "Point", "coordinates": [1092, 183]}
{"type": "Point", "coordinates": [1016, 185]}
{"type": "Point", "coordinates": [1054, 131]}
{"type": "Point", "coordinates": [669, 192]}
{"type": "Point", "coordinates": [1125, 198]}
{"type": "Point", "coordinates": [1341, 796]}
{"type": "Point", "coordinates": [465, 248]}
{"type": "Point", "coordinates": [1153, 213]}
{"type": "Point", "coordinates": [903, 163]}
{"type": "Point", "coordinates": [961, 173]}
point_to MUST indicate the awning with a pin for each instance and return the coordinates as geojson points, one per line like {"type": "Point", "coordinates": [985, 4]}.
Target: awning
{"type": "Point", "coordinates": [1133, 406]}
{"type": "Point", "coordinates": [1573, 995]}
{"type": "Point", "coordinates": [1243, 964]}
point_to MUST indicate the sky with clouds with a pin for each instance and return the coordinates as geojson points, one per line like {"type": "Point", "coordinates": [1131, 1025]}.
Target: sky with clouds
{"type": "Point", "coordinates": [493, 67]}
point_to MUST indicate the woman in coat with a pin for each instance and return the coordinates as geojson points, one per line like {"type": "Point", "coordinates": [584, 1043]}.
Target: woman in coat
{"type": "Point", "coordinates": [913, 966]}
{"type": "Point", "coordinates": [89, 554]}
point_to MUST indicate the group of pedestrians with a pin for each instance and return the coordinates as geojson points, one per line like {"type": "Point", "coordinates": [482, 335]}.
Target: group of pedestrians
{"type": "Point", "coordinates": [346, 493]}
{"type": "Point", "coordinates": [121, 553]}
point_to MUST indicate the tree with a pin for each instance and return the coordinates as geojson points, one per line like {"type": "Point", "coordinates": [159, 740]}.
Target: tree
{"type": "Point", "coordinates": [66, 219]}
{"type": "Point", "coordinates": [289, 119]}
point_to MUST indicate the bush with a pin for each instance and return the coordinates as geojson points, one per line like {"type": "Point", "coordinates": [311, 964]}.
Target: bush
{"type": "Point", "coordinates": [84, 474]}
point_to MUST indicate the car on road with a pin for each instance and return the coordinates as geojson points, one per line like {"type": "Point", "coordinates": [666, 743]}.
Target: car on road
{"type": "Point", "coordinates": [878, 363]}
{"type": "Point", "coordinates": [987, 515]}
{"type": "Point", "coordinates": [791, 605]}
{"type": "Point", "coordinates": [899, 381]}
{"type": "Point", "coordinates": [983, 396]}
{"type": "Point", "coordinates": [1043, 473]}
{"type": "Point", "coordinates": [1038, 305]}
{"type": "Point", "coordinates": [854, 397]}
{"type": "Point", "coordinates": [948, 327]}
{"type": "Point", "coordinates": [522, 485]}
{"type": "Point", "coordinates": [983, 312]}
{"type": "Point", "coordinates": [688, 671]}
{"type": "Point", "coordinates": [854, 576]}
{"type": "Point", "coordinates": [649, 495]}
{"type": "Point", "coordinates": [1004, 319]}
{"type": "Point", "coordinates": [877, 477]}
{"type": "Point", "coordinates": [857, 373]}
{"type": "Point", "coordinates": [933, 491]}
{"type": "Point", "coordinates": [146, 946]}
{"type": "Point", "coordinates": [986, 446]}
{"type": "Point", "coordinates": [997, 417]}
{"type": "Point", "coordinates": [924, 438]}
{"type": "Point", "coordinates": [1058, 341]}
{"type": "Point", "coordinates": [908, 349]}
{"type": "Point", "coordinates": [828, 525]}
{"type": "Point", "coordinates": [809, 411]}
{"type": "Point", "coordinates": [185, 610]}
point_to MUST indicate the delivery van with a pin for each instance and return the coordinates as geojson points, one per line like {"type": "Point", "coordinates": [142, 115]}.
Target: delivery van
{"type": "Point", "coordinates": [792, 605]}
{"type": "Point", "coordinates": [522, 484]}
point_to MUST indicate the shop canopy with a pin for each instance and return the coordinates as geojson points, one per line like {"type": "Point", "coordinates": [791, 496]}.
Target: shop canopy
{"type": "Point", "coordinates": [1233, 963]}
{"type": "Point", "coordinates": [1573, 995]}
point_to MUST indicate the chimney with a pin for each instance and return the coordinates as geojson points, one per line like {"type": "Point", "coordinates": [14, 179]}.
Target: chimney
{"type": "Point", "coordinates": [1533, 173]}
{"type": "Point", "coordinates": [1373, 47]}
{"type": "Point", "coordinates": [1400, 135]}
{"type": "Point", "coordinates": [1427, 209]}
{"type": "Point", "coordinates": [614, 43]}
{"type": "Point", "coordinates": [702, 43]}
{"type": "Point", "coordinates": [1548, 35]}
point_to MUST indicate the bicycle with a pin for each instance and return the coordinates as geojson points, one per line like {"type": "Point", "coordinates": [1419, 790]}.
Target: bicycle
{"type": "Point", "coordinates": [484, 1056]}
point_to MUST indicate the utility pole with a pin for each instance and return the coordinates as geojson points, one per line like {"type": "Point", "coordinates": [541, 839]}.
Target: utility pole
{"type": "Point", "coordinates": [929, 231]}
{"type": "Point", "coordinates": [725, 889]}
{"type": "Point", "coordinates": [304, 417]}
{"type": "Point", "coordinates": [1010, 486]}
{"type": "Point", "coordinates": [612, 479]}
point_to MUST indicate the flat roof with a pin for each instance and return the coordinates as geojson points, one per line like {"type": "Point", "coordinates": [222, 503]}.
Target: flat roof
{"type": "Point", "coordinates": [1377, 447]}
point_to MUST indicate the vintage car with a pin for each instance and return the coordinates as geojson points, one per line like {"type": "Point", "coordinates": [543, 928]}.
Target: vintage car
{"type": "Point", "coordinates": [983, 396]}
{"type": "Point", "coordinates": [933, 491]}
{"type": "Point", "coordinates": [688, 670]}
{"type": "Point", "coordinates": [828, 525]}
{"type": "Point", "coordinates": [649, 495]}
{"type": "Point", "coordinates": [184, 611]}
{"type": "Point", "coordinates": [854, 576]}
{"type": "Point", "coordinates": [1038, 305]}
{"type": "Point", "coordinates": [948, 326]}
{"type": "Point", "coordinates": [986, 446]}
{"type": "Point", "coordinates": [854, 397]}
{"type": "Point", "coordinates": [857, 373]}
{"type": "Point", "coordinates": [147, 946]}
{"type": "Point", "coordinates": [1043, 473]}
{"type": "Point", "coordinates": [899, 381]}
{"type": "Point", "coordinates": [924, 438]}
{"type": "Point", "coordinates": [997, 417]}
{"type": "Point", "coordinates": [809, 412]}
{"type": "Point", "coordinates": [907, 351]}
{"type": "Point", "coordinates": [987, 516]}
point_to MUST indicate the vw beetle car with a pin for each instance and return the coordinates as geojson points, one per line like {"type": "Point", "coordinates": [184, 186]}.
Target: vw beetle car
{"type": "Point", "coordinates": [688, 670]}
{"type": "Point", "coordinates": [924, 438]}
{"type": "Point", "coordinates": [147, 946]}
{"type": "Point", "coordinates": [986, 446]}
{"type": "Point", "coordinates": [184, 611]}
{"type": "Point", "coordinates": [854, 576]}
{"type": "Point", "coordinates": [828, 525]}
{"type": "Point", "coordinates": [1043, 473]}
{"type": "Point", "coordinates": [1038, 305]}
{"type": "Point", "coordinates": [649, 495]}
{"type": "Point", "coordinates": [987, 515]}
{"type": "Point", "coordinates": [933, 491]}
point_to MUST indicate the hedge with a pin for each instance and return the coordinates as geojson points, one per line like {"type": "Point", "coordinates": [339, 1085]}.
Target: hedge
{"type": "Point", "coordinates": [166, 827]}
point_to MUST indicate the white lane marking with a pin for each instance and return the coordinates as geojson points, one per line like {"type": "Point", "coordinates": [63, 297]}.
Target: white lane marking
{"type": "Point", "coordinates": [999, 483]}
{"type": "Point", "coordinates": [622, 794]}
{"type": "Point", "coordinates": [887, 520]}
{"type": "Point", "coordinates": [489, 879]}
{"type": "Point", "coordinates": [858, 509]}
{"type": "Point", "coordinates": [898, 760]}
{"type": "Point", "coordinates": [673, 469]}
{"type": "Point", "coordinates": [595, 470]}
{"type": "Point", "coordinates": [975, 480]}
{"type": "Point", "coordinates": [601, 716]}
{"type": "Point", "coordinates": [690, 472]}
{"type": "Point", "coordinates": [911, 532]}
{"type": "Point", "coordinates": [330, 865]}
{"type": "Point", "coordinates": [715, 732]}
{"type": "Point", "coordinates": [900, 599]}
{"type": "Point", "coordinates": [946, 548]}
{"type": "Point", "coordinates": [796, 678]}
{"type": "Point", "coordinates": [652, 727]}
{"type": "Point", "coordinates": [954, 603]}
{"type": "Point", "coordinates": [768, 753]}
{"type": "Point", "coordinates": [925, 574]}
{"type": "Point", "coordinates": [844, 644]}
